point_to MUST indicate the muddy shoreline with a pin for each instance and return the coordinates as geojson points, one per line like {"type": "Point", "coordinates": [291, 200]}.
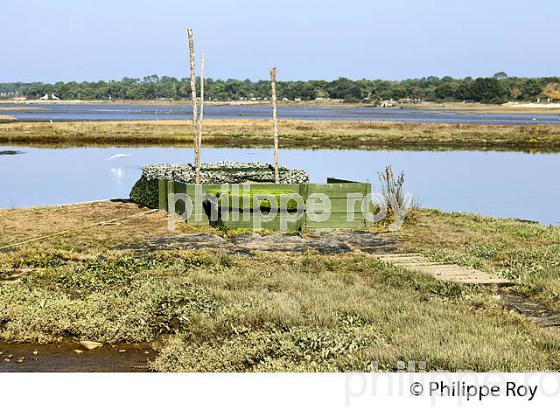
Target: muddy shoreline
{"type": "Point", "coordinates": [71, 357]}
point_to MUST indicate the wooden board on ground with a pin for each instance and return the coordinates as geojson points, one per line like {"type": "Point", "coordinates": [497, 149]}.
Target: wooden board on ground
{"type": "Point", "coordinates": [443, 271]}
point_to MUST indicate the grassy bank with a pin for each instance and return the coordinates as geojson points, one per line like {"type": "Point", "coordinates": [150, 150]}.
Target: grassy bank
{"type": "Point", "coordinates": [528, 253]}
{"type": "Point", "coordinates": [211, 311]}
{"type": "Point", "coordinates": [6, 119]}
{"type": "Point", "coordinates": [293, 134]}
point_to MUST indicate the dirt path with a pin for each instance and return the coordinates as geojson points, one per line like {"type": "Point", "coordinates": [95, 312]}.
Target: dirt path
{"type": "Point", "coordinates": [326, 242]}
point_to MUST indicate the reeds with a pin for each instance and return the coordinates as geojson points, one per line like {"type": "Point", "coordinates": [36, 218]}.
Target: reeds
{"type": "Point", "coordinates": [391, 187]}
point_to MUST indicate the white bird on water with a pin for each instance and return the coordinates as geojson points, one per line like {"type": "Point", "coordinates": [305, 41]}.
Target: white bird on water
{"type": "Point", "coordinates": [117, 156]}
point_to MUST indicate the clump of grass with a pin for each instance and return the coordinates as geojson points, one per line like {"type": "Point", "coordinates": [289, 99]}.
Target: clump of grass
{"type": "Point", "coordinates": [296, 349]}
{"type": "Point", "coordinates": [232, 233]}
{"type": "Point", "coordinates": [391, 187]}
{"type": "Point", "coordinates": [397, 202]}
{"type": "Point", "coordinates": [136, 313]}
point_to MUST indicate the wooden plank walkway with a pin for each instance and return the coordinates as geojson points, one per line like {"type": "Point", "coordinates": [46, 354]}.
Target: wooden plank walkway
{"type": "Point", "coordinates": [443, 271]}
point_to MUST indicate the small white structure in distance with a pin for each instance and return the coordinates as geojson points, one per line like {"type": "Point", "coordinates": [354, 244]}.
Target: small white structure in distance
{"type": "Point", "coordinates": [54, 97]}
{"type": "Point", "coordinates": [45, 97]}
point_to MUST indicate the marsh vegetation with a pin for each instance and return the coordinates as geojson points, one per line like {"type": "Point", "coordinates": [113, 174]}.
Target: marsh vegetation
{"type": "Point", "coordinates": [6, 119]}
{"type": "Point", "coordinates": [209, 310]}
{"type": "Point", "coordinates": [292, 134]}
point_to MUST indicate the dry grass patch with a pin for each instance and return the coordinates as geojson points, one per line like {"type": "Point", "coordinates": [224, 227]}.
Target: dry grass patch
{"type": "Point", "coordinates": [293, 134]}
{"type": "Point", "coordinates": [25, 223]}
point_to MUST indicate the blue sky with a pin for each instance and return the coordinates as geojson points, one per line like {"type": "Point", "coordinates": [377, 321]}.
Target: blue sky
{"type": "Point", "coordinates": [62, 40]}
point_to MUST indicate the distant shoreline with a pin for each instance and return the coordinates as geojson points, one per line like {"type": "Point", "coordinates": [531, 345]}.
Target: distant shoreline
{"type": "Point", "coordinates": [177, 102]}
{"type": "Point", "coordinates": [509, 107]}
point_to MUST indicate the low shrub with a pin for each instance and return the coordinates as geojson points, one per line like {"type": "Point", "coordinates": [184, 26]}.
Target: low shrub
{"type": "Point", "coordinates": [145, 190]}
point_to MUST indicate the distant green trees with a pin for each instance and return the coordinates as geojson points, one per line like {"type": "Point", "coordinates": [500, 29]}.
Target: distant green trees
{"type": "Point", "coordinates": [496, 89]}
{"type": "Point", "coordinates": [485, 90]}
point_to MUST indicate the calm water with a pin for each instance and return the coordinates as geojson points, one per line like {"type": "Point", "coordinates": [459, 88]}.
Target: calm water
{"type": "Point", "coordinates": [507, 184]}
{"type": "Point", "coordinates": [87, 112]}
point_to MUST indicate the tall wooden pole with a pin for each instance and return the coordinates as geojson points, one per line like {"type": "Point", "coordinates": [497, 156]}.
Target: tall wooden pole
{"type": "Point", "coordinates": [274, 122]}
{"type": "Point", "coordinates": [194, 106]}
{"type": "Point", "coordinates": [201, 113]}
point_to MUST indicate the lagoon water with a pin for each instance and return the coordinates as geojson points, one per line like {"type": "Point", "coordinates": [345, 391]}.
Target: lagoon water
{"type": "Point", "coordinates": [505, 184]}
{"type": "Point", "coordinates": [124, 112]}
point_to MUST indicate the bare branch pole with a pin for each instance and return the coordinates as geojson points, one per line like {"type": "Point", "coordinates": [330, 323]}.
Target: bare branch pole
{"type": "Point", "coordinates": [194, 107]}
{"type": "Point", "coordinates": [274, 122]}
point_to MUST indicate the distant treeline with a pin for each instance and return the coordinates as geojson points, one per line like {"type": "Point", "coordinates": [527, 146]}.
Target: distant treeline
{"type": "Point", "coordinates": [497, 89]}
